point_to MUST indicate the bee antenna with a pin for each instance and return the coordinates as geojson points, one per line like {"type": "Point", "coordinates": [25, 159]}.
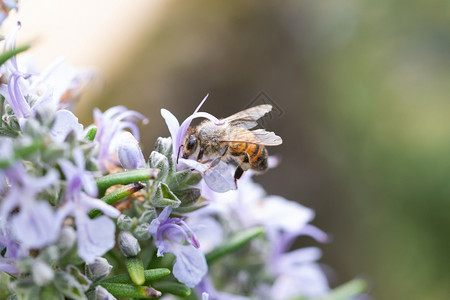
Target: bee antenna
{"type": "Point", "coordinates": [178, 154]}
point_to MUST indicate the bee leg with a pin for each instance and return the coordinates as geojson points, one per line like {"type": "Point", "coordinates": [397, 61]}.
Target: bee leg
{"type": "Point", "coordinates": [237, 174]}
{"type": "Point", "coordinates": [217, 160]}
{"type": "Point", "coordinates": [200, 154]}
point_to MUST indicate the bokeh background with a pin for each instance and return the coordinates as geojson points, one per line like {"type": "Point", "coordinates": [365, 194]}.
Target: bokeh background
{"type": "Point", "coordinates": [362, 90]}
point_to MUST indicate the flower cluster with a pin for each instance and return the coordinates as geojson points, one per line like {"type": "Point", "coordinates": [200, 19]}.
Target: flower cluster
{"type": "Point", "coordinates": [83, 215]}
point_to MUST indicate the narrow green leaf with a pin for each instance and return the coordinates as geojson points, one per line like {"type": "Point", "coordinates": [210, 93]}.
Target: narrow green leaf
{"type": "Point", "coordinates": [149, 275]}
{"type": "Point", "coordinates": [135, 269]}
{"type": "Point", "coordinates": [125, 178]}
{"type": "Point", "coordinates": [130, 291]}
{"type": "Point", "coordinates": [173, 288]}
{"type": "Point", "coordinates": [234, 243]}
{"type": "Point", "coordinates": [8, 54]}
{"type": "Point", "coordinates": [117, 195]}
{"type": "Point", "coordinates": [346, 290]}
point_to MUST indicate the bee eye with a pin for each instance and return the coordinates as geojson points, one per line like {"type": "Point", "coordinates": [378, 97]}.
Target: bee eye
{"type": "Point", "coordinates": [191, 144]}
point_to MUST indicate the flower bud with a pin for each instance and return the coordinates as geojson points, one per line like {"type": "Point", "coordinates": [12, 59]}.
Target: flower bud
{"type": "Point", "coordinates": [129, 245]}
{"type": "Point", "coordinates": [124, 222]}
{"type": "Point", "coordinates": [142, 232]}
{"type": "Point", "coordinates": [42, 273]}
{"type": "Point", "coordinates": [159, 161]}
{"type": "Point", "coordinates": [129, 152]}
{"type": "Point", "coordinates": [67, 237]}
{"type": "Point", "coordinates": [100, 293]}
{"type": "Point", "coordinates": [147, 216]}
{"type": "Point", "coordinates": [98, 270]}
{"type": "Point", "coordinates": [164, 146]}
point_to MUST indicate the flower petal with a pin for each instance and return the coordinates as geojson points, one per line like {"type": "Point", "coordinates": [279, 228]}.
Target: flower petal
{"type": "Point", "coordinates": [35, 226]}
{"type": "Point", "coordinates": [190, 265]}
{"type": "Point", "coordinates": [95, 236]}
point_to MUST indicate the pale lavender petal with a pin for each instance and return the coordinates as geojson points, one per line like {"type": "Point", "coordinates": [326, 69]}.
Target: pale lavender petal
{"type": "Point", "coordinates": [281, 214]}
{"type": "Point", "coordinates": [65, 122]}
{"type": "Point", "coordinates": [171, 122]}
{"type": "Point", "coordinates": [95, 236]}
{"type": "Point", "coordinates": [35, 226]}
{"type": "Point", "coordinates": [220, 178]}
{"type": "Point", "coordinates": [89, 203]}
{"type": "Point", "coordinates": [314, 232]}
{"type": "Point", "coordinates": [190, 265]}
{"type": "Point", "coordinates": [292, 259]}
{"type": "Point", "coordinates": [307, 280]}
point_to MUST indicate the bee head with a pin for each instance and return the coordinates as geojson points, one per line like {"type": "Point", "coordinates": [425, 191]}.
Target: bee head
{"type": "Point", "coordinates": [190, 145]}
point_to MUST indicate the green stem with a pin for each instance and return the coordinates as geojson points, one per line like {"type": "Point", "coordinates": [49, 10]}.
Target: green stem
{"type": "Point", "coordinates": [234, 243]}
{"type": "Point", "coordinates": [117, 195]}
{"type": "Point", "coordinates": [131, 291]}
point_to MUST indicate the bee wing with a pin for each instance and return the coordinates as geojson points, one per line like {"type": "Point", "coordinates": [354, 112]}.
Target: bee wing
{"type": "Point", "coordinates": [258, 136]}
{"type": "Point", "coordinates": [248, 117]}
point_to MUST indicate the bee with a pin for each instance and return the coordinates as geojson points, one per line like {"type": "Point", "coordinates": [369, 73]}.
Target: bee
{"type": "Point", "coordinates": [232, 142]}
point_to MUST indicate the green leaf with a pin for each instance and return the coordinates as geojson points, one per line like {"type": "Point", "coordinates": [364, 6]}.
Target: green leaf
{"type": "Point", "coordinates": [5, 279]}
{"type": "Point", "coordinates": [130, 291]}
{"type": "Point", "coordinates": [188, 197]}
{"type": "Point", "coordinates": [173, 288]}
{"type": "Point", "coordinates": [117, 195]}
{"type": "Point", "coordinates": [69, 286]}
{"type": "Point", "coordinates": [188, 209]}
{"type": "Point", "coordinates": [126, 177]}
{"type": "Point", "coordinates": [135, 269]}
{"type": "Point", "coordinates": [90, 135]}
{"type": "Point", "coordinates": [8, 54]}
{"type": "Point", "coordinates": [346, 291]}
{"type": "Point", "coordinates": [163, 197]}
{"type": "Point", "coordinates": [149, 275]}
{"type": "Point", "coordinates": [50, 292]}
{"type": "Point", "coordinates": [234, 243]}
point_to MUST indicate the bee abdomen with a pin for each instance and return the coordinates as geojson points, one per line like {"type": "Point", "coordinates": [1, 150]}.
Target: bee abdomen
{"type": "Point", "coordinates": [259, 160]}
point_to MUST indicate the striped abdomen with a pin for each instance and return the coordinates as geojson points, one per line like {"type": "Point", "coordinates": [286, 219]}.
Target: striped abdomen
{"type": "Point", "coordinates": [254, 155]}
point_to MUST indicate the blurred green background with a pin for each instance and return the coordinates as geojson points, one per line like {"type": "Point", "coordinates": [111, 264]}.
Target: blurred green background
{"type": "Point", "coordinates": [363, 91]}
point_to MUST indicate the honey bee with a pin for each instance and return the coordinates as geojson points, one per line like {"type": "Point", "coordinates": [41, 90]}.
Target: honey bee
{"type": "Point", "coordinates": [232, 142]}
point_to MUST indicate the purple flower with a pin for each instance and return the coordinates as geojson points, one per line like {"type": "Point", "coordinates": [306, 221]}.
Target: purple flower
{"type": "Point", "coordinates": [297, 273]}
{"type": "Point", "coordinates": [174, 235]}
{"type": "Point", "coordinates": [26, 92]}
{"type": "Point", "coordinates": [110, 125]}
{"type": "Point", "coordinates": [220, 178]}
{"type": "Point", "coordinates": [34, 225]}
{"type": "Point", "coordinates": [95, 236]}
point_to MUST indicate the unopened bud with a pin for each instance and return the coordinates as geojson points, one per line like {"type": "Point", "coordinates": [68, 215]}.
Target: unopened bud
{"type": "Point", "coordinates": [100, 293]}
{"type": "Point", "coordinates": [129, 245]}
{"type": "Point", "coordinates": [43, 274]}
{"type": "Point", "coordinates": [67, 237]}
{"type": "Point", "coordinates": [124, 222]}
{"type": "Point", "coordinates": [129, 152]}
{"type": "Point", "coordinates": [142, 232]}
{"type": "Point", "coordinates": [98, 270]}
{"type": "Point", "coordinates": [159, 161]}
{"type": "Point", "coordinates": [164, 146]}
